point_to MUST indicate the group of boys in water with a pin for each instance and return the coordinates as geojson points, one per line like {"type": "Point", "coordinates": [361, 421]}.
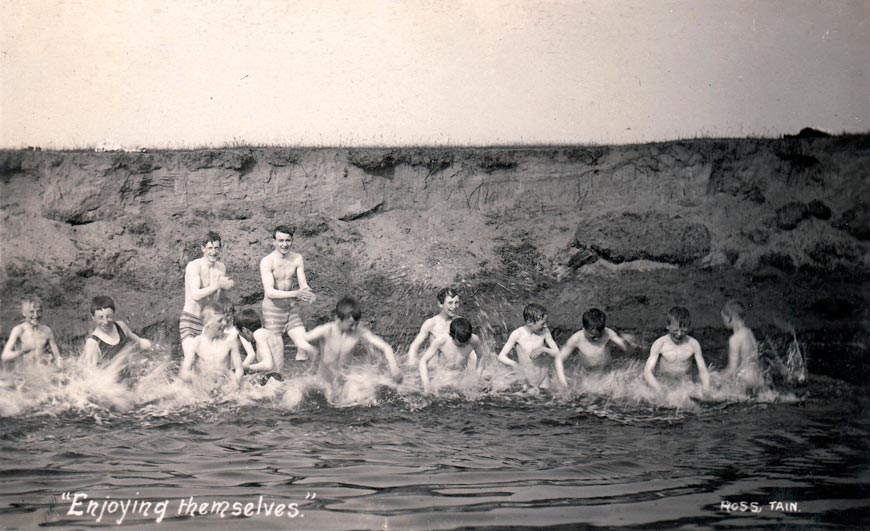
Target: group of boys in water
{"type": "Point", "coordinates": [214, 337]}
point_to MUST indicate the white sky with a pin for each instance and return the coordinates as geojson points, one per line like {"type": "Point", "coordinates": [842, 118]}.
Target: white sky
{"type": "Point", "coordinates": [191, 73]}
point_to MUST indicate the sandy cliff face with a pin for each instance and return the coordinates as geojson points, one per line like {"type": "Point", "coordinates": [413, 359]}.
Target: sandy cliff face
{"type": "Point", "coordinates": [783, 224]}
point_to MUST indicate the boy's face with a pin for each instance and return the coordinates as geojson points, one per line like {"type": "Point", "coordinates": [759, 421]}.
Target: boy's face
{"type": "Point", "coordinates": [283, 242]}
{"type": "Point", "coordinates": [212, 251]}
{"type": "Point", "coordinates": [31, 312]}
{"type": "Point", "coordinates": [450, 305]}
{"type": "Point", "coordinates": [726, 320]}
{"type": "Point", "coordinates": [213, 321]}
{"type": "Point", "coordinates": [538, 326]}
{"type": "Point", "coordinates": [677, 331]}
{"type": "Point", "coordinates": [104, 318]}
{"type": "Point", "coordinates": [348, 324]}
{"type": "Point", "coordinates": [593, 334]}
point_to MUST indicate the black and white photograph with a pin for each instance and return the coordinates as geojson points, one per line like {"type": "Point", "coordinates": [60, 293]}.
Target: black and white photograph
{"type": "Point", "coordinates": [413, 265]}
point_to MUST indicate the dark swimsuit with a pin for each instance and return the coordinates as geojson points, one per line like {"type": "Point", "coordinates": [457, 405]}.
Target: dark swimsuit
{"type": "Point", "coordinates": [110, 351]}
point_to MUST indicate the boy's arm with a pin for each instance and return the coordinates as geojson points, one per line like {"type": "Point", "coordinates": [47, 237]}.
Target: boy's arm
{"type": "Point", "coordinates": [387, 350]}
{"type": "Point", "coordinates": [317, 333]}
{"type": "Point", "coordinates": [306, 294]}
{"type": "Point", "coordinates": [424, 361]}
{"type": "Point", "coordinates": [733, 356]}
{"type": "Point", "coordinates": [91, 354]}
{"type": "Point", "coordinates": [250, 354]}
{"type": "Point", "coordinates": [654, 353]}
{"type": "Point", "coordinates": [52, 344]}
{"type": "Point", "coordinates": [703, 374]}
{"type": "Point", "coordinates": [418, 342]}
{"type": "Point", "coordinates": [617, 340]}
{"type": "Point", "coordinates": [483, 354]}
{"type": "Point", "coordinates": [9, 350]}
{"type": "Point", "coordinates": [561, 356]}
{"type": "Point", "coordinates": [507, 348]}
{"type": "Point", "coordinates": [193, 283]}
{"type": "Point", "coordinates": [552, 349]}
{"type": "Point", "coordinates": [236, 360]}
{"type": "Point", "coordinates": [143, 344]}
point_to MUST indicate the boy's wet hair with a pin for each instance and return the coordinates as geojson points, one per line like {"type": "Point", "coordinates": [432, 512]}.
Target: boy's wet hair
{"type": "Point", "coordinates": [249, 319]}
{"type": "Point", "coordinates": [214, 308]}
{"type": "Point", "coordinates": [33, 300]}
{"type": "Point", "coordinates": [348, 307]}
{"type": "Point", "coordinates": [533, 313]}
{"type": "Point", "coordinates": [594, 319]}
{"type": "Point", "coordinates": [460, 330]}
{"type": "Point", "coordinates": [101, 301]}
{"type": "Point", "coordinates": [225, 305]}
{"type": "Point", "coordinates": [681, 316]}
{"type": "Point", "coordinates": [282, 228]}
{"type": "Point", "coordinates": [734, 308]}
{"type": "Point", "coordinates": [443, 293]}
{"type": "Point", "coordinates": [210, 237]}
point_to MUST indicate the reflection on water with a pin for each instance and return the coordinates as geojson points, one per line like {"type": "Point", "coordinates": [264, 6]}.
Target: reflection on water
{"type": "Point", "coordinates": [378, 456]}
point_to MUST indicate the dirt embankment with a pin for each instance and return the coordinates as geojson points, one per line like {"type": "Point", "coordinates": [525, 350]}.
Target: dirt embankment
{"type": "Point", "coordinates": [781, 224]}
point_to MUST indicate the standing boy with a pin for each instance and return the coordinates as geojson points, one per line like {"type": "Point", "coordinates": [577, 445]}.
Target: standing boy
{"type": "Point", "coordinates": [280, 314]}
{"type": "Point", "coordinates": [30, 337]}
{"type": "Point", "coordinates": [459, 351]}
{"type": "Point", "coordinates": [593, 343]}
{"type": "Point", "coordinates": [216, 349]}
{"type": "Point", "coordinates": [204, 280]}
{"type": "Point", "coordinates": [338, 340]}
{"type": "Point", "coordinates": [437, 326]}
{"type": "Point", "coordinates": [109, 337]}
{"type": "Point", "coordinates": [743, 363]}
{"type": "Point", "coordinates": [531, 340]}
{"type": "Point", "coordinates": [677, 350]}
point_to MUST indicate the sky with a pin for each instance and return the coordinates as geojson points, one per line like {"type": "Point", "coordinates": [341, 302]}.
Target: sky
{"type": "Point", "coordinates": [194, 73]}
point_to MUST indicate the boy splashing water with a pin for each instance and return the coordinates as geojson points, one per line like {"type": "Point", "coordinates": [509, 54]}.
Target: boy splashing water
{"type": "Point", "coordinates": [30, 338]}
{"type": "Point", "coordinates": [677, 350]}
{"type": "Point", "coordinates": [743, 365]}
{"type": "Point", "coordinates": [531, 340]}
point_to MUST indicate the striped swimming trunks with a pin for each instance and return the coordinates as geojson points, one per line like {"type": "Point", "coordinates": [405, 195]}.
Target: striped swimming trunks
{"type": "Point", "coordinates": [189, 325]}
{"type": "Point", "coordinates": [280, 315]}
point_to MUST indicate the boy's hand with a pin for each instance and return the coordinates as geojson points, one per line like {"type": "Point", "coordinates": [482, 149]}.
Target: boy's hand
{"type": "Point", "coordinates": [145, 344]}
{"type": "Point", "coordinates": [396, 373]}
{"type": "Point", "coordinates": [306, 295]}
{"type": "Point", "coordinates": [535, 353]}
{"type": "Point", "coordinates": [225, 282]}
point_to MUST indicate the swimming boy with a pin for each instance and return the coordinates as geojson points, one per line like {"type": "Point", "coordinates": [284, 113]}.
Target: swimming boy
{"type": "Point", "coordinates": [676, 349]}
{"type": "Point", "coordinates": [216, 349]}
{"type": "Point", "coordinates": [593, 342]}
{"type": "Point", "coordinates": [30, 337]}
{"type": "Point", "coordinates": [339, 338]}
{"type": "Point", "coordinates": [743, 363]}
{"type": "Point", "coordinates": [459, 350]}
{"type": "Point", "coordinates": [437, 326]}
{"type": "Point", "coordinates": [109, 337]}
{"type": "Point", "coordinates": [531, 340]}
{"type": "Point", "coordinates": [204, 281]}
{"type": "Point", "coordinates": [280, 315]}
{"type": "Point", "coordinates": [263, 348]}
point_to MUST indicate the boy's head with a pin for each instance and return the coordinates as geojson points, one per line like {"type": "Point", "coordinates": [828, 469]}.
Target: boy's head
{"type": "Point", "coordinates": [594, 322]}
{"type": "Point", "coordinates": [460, 330]}
{"type": "Point", "coordinates": [249, 320]}
{"type": "Point", "coordinates": [679, 323]}
{"type": "Point", "coordinates": [211, 246]}
{"type": "Point", "coordinates": [213, 318]}
{"type": "Point", "coordinates": [31, 309]}
{"type": "Point", "coordinates": [347, 314]}
{"type": "Point", "coordinates": [103, 311]}
{"type": "Point", "coordinates": [283, 236]}
{"type": "Point", "coordinates": [535, 317]}
{"type": "Point", "coordinates": [448, 300]}
{"type": "Point", "coordinates": [227, 307]}
{"type": "Point", "coordinates": [733, 310]}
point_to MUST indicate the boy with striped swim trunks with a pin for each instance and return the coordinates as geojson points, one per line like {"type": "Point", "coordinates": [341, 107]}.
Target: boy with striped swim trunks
{"type": "Point", "coordinates": [204, 279]}
{"type": "Point", "coordinates": [280, 314]}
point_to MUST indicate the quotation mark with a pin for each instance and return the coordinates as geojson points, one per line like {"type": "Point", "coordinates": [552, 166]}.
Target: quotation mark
{"type": "Point", "coordinates": [310, 495]}
{"type": "Point", "coordinates": [65, 496]}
